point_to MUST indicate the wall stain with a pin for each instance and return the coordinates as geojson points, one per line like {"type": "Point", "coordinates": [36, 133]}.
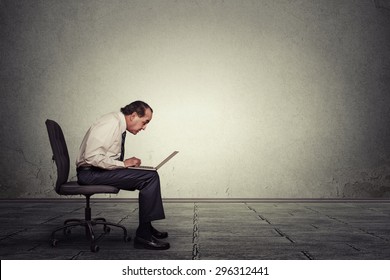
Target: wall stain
{"type": "Point", "coordinates": [373, 183]}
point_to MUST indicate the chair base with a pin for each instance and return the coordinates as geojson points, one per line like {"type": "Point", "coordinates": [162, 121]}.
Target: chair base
{"type": "Point", "coordinates": [90, 234]}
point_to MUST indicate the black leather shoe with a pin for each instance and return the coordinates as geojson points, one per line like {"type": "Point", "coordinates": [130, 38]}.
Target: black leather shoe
{"type": "Point", "coordinates": [152, 244]}
{"type": "Point", "coordinates": [159, 234]}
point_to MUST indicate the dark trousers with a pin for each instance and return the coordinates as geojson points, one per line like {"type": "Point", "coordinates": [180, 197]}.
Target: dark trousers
{"type": "Point", "coordinates": [147, 182]}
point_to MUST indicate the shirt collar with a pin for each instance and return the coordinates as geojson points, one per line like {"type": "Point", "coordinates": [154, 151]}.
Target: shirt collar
{"type": "Point", "coordinates": [122, 119]}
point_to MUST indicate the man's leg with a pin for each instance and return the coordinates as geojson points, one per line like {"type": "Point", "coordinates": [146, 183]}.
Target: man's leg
{"type": "Point", "coordinates": [150, 202]}
{"type": "Point", "coordinates": [147, 182]}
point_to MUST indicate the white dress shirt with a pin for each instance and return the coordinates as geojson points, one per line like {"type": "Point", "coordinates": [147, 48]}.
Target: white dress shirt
{"type": "Point", "coordinates": [101, 146]}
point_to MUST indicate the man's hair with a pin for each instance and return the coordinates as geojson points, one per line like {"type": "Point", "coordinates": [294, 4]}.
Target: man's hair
{"type": "Point", "coordinates": [137, 106]}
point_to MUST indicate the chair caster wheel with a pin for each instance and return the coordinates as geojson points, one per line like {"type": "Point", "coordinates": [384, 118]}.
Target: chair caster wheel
{"type": "Point", "coordinates": [127, 238]}
{"type": "Point", "coordinates": [106, 229]}
{"type": "Point", "coordinates": [94, 248]}
{"type": "Point", "coordinates": [54, 243]}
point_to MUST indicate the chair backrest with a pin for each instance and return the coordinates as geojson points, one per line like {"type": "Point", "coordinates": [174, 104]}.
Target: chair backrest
{"type": "Point", "coordinates": [60, 152]}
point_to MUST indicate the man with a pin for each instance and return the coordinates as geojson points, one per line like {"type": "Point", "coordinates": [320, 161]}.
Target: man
{"type": "Point", "coordinates": [101, 161]}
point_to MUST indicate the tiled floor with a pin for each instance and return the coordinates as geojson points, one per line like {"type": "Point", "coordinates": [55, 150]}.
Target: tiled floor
{"type": "Point", "coordinates": [203, 230]}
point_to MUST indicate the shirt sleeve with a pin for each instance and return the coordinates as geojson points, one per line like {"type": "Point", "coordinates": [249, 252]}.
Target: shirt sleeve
{"type": "Point", "coordinates": [103, 146]}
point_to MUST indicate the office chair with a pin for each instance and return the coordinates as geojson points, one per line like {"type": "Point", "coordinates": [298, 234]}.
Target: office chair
{"type": "Point", "coordinates": [65, 187]}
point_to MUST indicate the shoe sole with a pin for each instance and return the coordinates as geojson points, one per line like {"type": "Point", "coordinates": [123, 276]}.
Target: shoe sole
{"type": "Point", "coordinates": [148, 247]}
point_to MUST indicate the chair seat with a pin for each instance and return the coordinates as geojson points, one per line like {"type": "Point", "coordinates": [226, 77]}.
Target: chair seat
{"type": "Point", "coordinates": [73, 188]}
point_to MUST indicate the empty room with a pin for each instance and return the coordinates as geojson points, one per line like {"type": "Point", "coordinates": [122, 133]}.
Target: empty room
{"type": "Point", "coordinates": [279, 111]}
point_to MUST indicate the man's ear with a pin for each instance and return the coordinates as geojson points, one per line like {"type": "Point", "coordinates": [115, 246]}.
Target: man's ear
{"type": "Point", "coordinates": [133, 115]}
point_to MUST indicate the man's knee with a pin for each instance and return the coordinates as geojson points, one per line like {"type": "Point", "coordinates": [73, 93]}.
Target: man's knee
{"type": "Point", "coordinates": [153, 181]}
{"type": "Point", "coordinates": [156, 176]}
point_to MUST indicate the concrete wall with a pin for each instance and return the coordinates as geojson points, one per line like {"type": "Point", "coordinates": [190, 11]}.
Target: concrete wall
{"type": "Point", "coordinates": [265, 99]}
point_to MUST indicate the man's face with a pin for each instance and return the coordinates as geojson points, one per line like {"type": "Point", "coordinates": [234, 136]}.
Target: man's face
{"type": "Point", "coordinates": [135, 123]}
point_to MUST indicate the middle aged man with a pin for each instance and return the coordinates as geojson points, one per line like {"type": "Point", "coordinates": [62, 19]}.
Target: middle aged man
{"type": "Point", "coordinates": [101, 161]}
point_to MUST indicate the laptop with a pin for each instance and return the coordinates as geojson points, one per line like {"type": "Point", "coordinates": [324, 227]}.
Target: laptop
{"type": "Point", "coordinates": [142, 167]}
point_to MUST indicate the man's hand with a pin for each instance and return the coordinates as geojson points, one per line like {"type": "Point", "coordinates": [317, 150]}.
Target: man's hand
{"type": "Point", "coordinates": [131, 162]}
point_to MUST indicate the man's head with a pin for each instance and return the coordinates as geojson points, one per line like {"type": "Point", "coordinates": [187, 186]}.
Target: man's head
{"type": "Point", "coordinates": [137, 114]}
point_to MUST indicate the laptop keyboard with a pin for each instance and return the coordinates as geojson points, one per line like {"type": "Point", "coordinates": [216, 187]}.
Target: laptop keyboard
{"type": "Point", "coordinates": [146, 167]}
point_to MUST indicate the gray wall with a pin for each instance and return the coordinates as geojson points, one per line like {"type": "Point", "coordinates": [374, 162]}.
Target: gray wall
{"type": "Point", "coordinates": [264, 99]}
